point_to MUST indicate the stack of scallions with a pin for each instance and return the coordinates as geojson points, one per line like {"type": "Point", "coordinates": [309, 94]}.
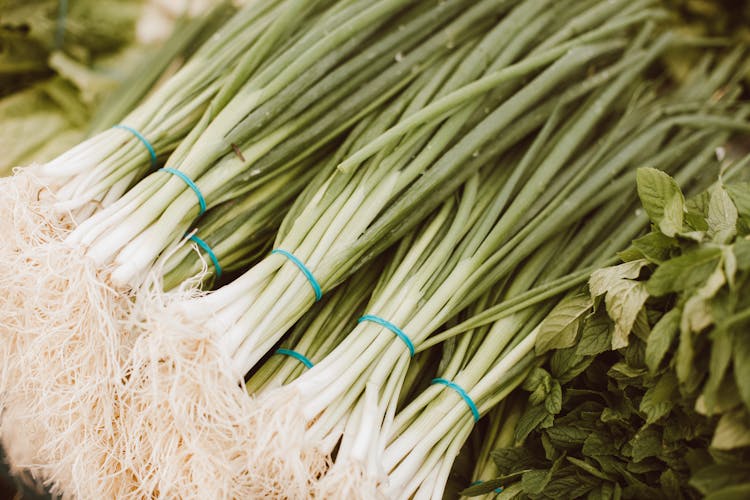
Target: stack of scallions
{"type": "Point", "coordinates": [310, 261]}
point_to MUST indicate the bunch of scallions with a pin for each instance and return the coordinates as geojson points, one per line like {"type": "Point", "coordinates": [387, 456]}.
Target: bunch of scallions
{"type": "Point", "coordinates": [357, 174]}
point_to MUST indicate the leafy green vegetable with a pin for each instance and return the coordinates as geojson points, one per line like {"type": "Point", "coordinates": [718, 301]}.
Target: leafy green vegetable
{"type": "Point", "coordinates": [654, 387]}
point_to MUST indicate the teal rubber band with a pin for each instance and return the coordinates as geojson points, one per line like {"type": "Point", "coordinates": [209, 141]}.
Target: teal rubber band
{"type": "Point", "coordinates": [462, 393]}
{"type": "Point", "coordinates": [294, 354]}
{"type": "Point", "coordinates": [139, 136]}
{"type": "Point", "coordinates": [313, 282]}
{"type": "Point", "coordinates": [499, 489]}
{"type": "Point", "coordinates": [62, 17]}
{"type": "Point", "coordinates": [209, 251]}
{"type": "Point", "coordinates": [398, 331]}
{"type": "Point", "coordinates": [190, 184]}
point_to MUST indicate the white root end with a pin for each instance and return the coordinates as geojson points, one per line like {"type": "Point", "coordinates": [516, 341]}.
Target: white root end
{"type": "Point", "coordinates": [285, 462]}
{"type": "Point", "coordinates": [349, 480]}
{"type": "Point", "coordinates": [185, 420]}
{"type": "Point", "coordinates": [62, 348]}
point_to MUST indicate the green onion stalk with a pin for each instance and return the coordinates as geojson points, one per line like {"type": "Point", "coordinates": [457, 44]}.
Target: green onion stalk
{"type": "Point", "coordinates": [320, 330]}
{"type": "Point", "coordinates": [346, 217]}
{"type": "Point", "coordinates": [235, 234]}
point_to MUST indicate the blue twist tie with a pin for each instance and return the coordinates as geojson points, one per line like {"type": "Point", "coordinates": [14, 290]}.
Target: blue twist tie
{"type": "Point", "coordinates": [398, 331]}
{"type": "Point", "coordinates": [294, 354]}
{"type": "Point", "coordinates": [210, 253]}
{"type": "Point", "coordinates": [462, 393]}
{"type": "Point", "coordinates": [139, 136]}
{"type": "Point", "coordinates": [190, 184]}
{"type": "Point", "coordinates": [62, 16]}
{"type": "Point", "coordinates": [313, 282]}
{"type": "Point", "coordinates": [499, 489]}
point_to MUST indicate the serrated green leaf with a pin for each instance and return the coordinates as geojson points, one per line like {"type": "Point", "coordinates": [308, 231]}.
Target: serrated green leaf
{"type": "Point", "coordinates": [741, 363]}
{"type": "Point", "coordinates": [535, 481]}
{"type": "Point", "coordinates": [589, 468]}
{"type": "Point", "coordinates": [624, 300]}
{"type": "Point", "coordinates": [560, 328]}
{"type": "Point", "coordinates": [696, 314]}
{"type": "Point", "coordinates": [509, 460]}
{"type": "Point", "coordinates": [722, 215]}
{"type": "Point", "coordinates": [597, 444]}
{"type": "Point", "coordinates": [553, 402]}
{"type": "Point", "coordinates": [655, 246]}
{"type": "Point", "coordinates": [566, 364]}
{"type": "Point", "coordinates": [641, 328]}
{"type": "Point", "coordinates": [721, 355]}
{"type": "Point", "coordinates": [610, 464]}
{"type": "Point", "coordinates": [698, 204]}
{"type": "Point", "coordinates": [619, 414]}
{"type": "Point", "coordinates": [602, 280]}
{"type": "Point", "coordinates": [629, 254]}
{"type": "Point", "coordinates": [697, 226]}
{"type": "Point", "coordinates": [532, 418]}
{"type": "Point", "coordinates": [538, 382]}
{"type": "Point", "coordinates": [635, 353]}
{"type": "Point", "coordinates": [740, 195]}
{"type": "Point", "coordinates": [662, 199]}
{"type": "Point", "coordinates": [596, 336]}
{"type": "Point", "coordinates": [658, 400]}
{"type": "Point", "coordinates": [571, 485]}
{"type": "Point", "coordinates": [715, 282]}
{"type": "Point", "coordinates": [625, 370]}
{"type": "Point", "coordinates": [567, 436]}
{"type": "Point", "coordinates": [535, 378]}
{"type": "Point", "coordinates": [690, 270]}
{"type": "Point", "coordinates": [550, 452]}
{"type": "Point", "coordinates": [661, 338]}
{"type": "Point", "coordinates": [647, 442]}
{"type": "Point", "coordinates": [732, 431]}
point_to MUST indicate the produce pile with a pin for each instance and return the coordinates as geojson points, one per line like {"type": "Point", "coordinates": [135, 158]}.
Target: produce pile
{"type": "Point", "coordinates": [393, 249]}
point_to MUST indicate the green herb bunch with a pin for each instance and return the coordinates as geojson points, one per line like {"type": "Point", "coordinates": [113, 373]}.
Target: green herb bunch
{"type": "Point", "coordinates": [646, 389]}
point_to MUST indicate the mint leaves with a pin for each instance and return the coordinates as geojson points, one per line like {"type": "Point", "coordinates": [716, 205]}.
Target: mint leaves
{"type": "Point", "coordinates": [645, 392]}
